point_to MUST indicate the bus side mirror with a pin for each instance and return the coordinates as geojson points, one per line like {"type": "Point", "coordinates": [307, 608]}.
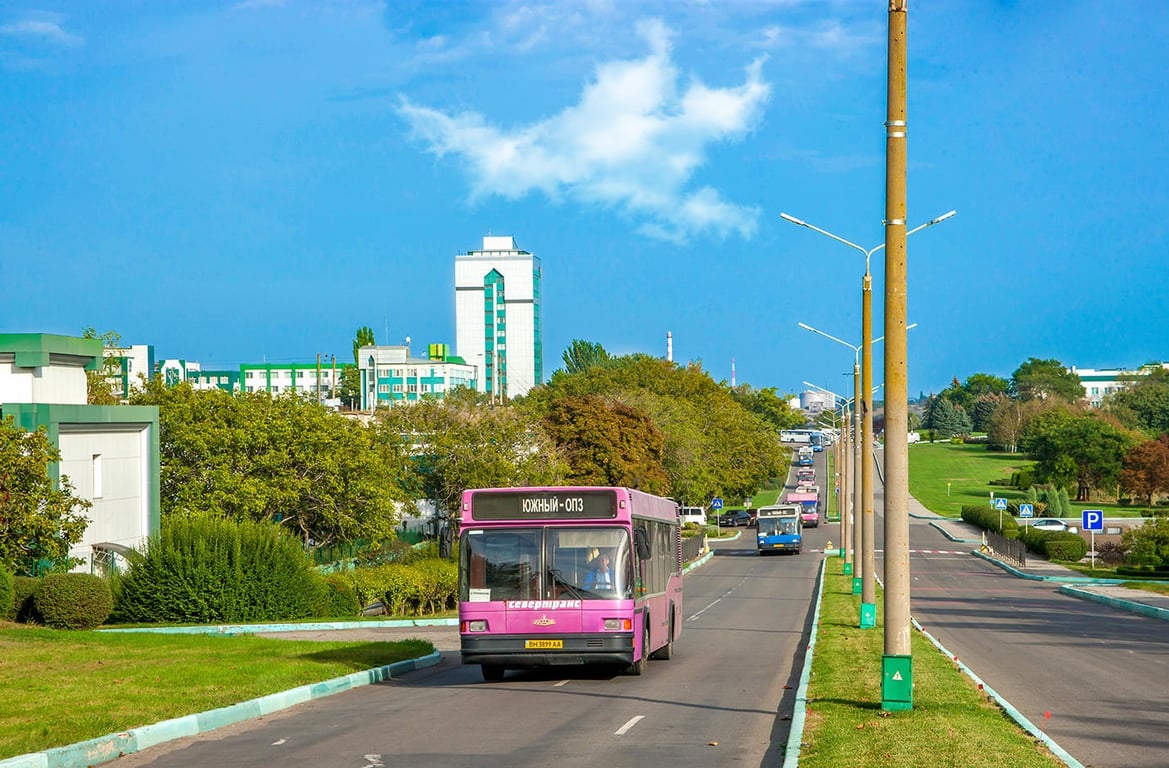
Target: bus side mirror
{"type": "Point", "coordinates": [641, 543]}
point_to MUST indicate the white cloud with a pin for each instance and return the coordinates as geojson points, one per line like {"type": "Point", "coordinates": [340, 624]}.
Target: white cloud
{"type": "Point", "coordinates": [632, 142]}
{"type": "Point", "coordinates": [42, 26]}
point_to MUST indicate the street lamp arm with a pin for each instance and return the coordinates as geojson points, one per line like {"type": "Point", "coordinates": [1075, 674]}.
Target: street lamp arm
{"type": "Point", "coordinates": [853, 347]}
{"type": "Point", "coordinates": [931, 222]}
{"type": "Point", "coordinates": [826, 233]}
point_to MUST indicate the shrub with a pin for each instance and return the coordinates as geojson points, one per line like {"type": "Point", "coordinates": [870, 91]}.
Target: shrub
{"type": "Point", "coordinates": [6, 594]}
{"type": "Point", "coordinates": [208, 570]}
{"type": "Point", "coordinates": [1064, 545]}
{"type": "Point", "coordinates": [987, 518]}
{"type": "Point", "coordinates": [1110, 552]}
{"type": "Point", "coordinates": [338, 598]}
{"type": "Point", "coordinates": [74, 600]}
{"type": "Point", "coordinates": [24, 590]}
{"type": "Point", "coordinates": [427, 585]}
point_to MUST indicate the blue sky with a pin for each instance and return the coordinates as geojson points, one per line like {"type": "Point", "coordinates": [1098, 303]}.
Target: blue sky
{"type": "Point", "coordinates": [253, 181]}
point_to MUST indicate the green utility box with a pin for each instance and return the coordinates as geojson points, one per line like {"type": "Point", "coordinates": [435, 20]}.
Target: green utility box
{"type": "Point", "coordinates": [896, 683]}
{"type": "Point", "coordinates": [847, 566]}
{"type": "Point", "coordinates": [868, 615]}
{"type": "Point", "coordinates": [856, 585]}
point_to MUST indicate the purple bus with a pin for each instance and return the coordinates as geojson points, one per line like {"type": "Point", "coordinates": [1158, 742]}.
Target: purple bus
{"type": "Point", "coordinates": [534, 590]}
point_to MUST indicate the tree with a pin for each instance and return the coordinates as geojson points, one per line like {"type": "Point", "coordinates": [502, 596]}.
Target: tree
{"type": "Point", "coordinates": [450, 445]}
{"type": "Point", "coordinates": [1149, 543]}
{"type": "Point", "coordinates": [101, 384]}
{"type": "Point", "coordinates": [770, 406]}
{"type": "Point", "coordinates": [1145, 404]}
{"type": "Point", "coordinates": [349, 387]}
{"type": "Point", "coordinates": [1146, 469]}
{"type": "Point", "coordinates": [280, 459]}
{"type": "Point", "coordinates": [582, 355]}
{"type": "Point", "coordinates": [608, 443]}
{"type": "Point", "coordinates": [363, 338]}
{"type": "Point", "coordinates": [945, 418]}
{"type": "Point", "coordinates": [983, 408]}
{"type": "Point", "coordinates": [39, 520]}
{"type": "Point", "coordinates": [1040, 379]}
{"type": "Point", "coordinates": [1079, 449]}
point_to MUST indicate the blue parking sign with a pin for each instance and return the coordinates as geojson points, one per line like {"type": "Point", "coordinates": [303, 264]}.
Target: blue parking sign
{"type": "Point", "coordinates": [1093, 519]}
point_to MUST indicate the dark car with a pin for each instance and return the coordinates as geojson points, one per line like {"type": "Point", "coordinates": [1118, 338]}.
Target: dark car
{"type": "Point", "coordinates": [735, 518]}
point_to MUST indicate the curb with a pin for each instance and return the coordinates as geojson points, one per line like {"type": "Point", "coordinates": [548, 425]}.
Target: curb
{"type": "Point", "coordinates": [1151, 611]}
{"type": "Point", "coordinates": [1013, 713]}
{"type": "Point", "coordinates": [951, 536]}
{"type": "Point", "coordinates": [114, 745]}
{"type": "Point", "coordinates": [243, 629]}
{"type": "Point", "coordinates": [699, 562]}
{"type": "Point", "coordinates": [795, 737]}
{"type": "Point", "coordinates": [1056, 579]}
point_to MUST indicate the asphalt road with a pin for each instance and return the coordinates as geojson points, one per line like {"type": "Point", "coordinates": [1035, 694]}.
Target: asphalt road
{"type": "Point", "coordinates": [1094, 678]}
{"type": "Point", "coordinates": [726, 696]}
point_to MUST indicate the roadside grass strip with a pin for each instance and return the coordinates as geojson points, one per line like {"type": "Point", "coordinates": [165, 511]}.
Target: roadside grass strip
{"type": "Point", "coordinates": [952, 723]}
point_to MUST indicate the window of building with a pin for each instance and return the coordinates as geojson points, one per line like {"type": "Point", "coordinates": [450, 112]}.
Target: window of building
{"type": "Point", "coordinates": [300, 374]}
{"type": "Point", "coordinates": [383, 373]}
{"type": "Point", "coordinates": [413, 387]}
{"type": "Point", "coordinates": [383, 388]}
{"type": "Point", "coordinates": [397, 387]}
{"type": "Point", "coordinates": [248, 375]}
{"type": "Point", "coordinates": [97, 476]}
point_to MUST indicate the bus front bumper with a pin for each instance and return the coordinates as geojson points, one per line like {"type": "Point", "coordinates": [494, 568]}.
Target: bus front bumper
{"type": "Point", "coordinates": [513, 651]}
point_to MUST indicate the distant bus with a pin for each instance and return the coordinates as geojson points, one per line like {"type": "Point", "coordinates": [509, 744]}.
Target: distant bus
{"type": "Point", "coordinates": [805, 457]}
{"type": "Point", "coordinates": [525, 557]}
{"type": "Point", "coordinates": [796, 435]}
{"type": "Point", "coordinates": [779, 529]}
{"type": "Point", "coordinates": [805, 476]}
{"type": "Point", "coordinates": [808, 499]}
{"type": "Point", "coordinates": [818, 441]}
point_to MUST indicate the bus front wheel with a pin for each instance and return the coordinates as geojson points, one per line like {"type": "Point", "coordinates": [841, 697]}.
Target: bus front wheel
{"type": "Point", "coordinates": [638, 667]}
{"type": "Point", "coordinates": [666, 652]}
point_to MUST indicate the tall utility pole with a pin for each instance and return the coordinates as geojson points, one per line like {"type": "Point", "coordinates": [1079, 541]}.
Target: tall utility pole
{"type": "Point", "coordinates": [859, 561]}
{"type": "Point", "coordinates": [897, 661]}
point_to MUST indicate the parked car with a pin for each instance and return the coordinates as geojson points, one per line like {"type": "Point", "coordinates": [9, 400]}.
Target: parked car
{"type": "Point", "coordinates": [735, 518]}
{"type": "Point", "coordinates": [1049, 524]}
{"type": "Point", "coordinates": [914, 437]}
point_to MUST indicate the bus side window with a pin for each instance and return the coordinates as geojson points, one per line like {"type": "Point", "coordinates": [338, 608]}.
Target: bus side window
{"type": "Point", "coordinates": [641, 543]}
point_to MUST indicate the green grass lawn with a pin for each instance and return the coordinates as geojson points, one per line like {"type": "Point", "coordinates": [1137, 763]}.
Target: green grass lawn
{"type": "Point", "coordinates": [62, 687]}
{"type": "Point", "coordinates": [951, 723]}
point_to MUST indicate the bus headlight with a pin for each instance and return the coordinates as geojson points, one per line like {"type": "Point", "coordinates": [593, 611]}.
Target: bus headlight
{"type": "Point", "coordinates": [475, 625]}
{"type": "Point", "coordinates": [617, 625]}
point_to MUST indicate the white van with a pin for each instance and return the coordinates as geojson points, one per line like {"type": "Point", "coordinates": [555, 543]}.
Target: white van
{"type": "Point", "coordinates": [914, 437]}
{"type": "Point", "coordinates": [692, 515]}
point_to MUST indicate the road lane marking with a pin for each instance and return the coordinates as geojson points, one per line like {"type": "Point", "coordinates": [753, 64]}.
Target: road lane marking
{"type": "Point", "coordinates": [278, 743]}
{"type": "Point", "coordinates": [704, 610]}
{"type": "Point", "coordinates": [562, 682]}
{"type": "Point", "coordinates": [625, 728]}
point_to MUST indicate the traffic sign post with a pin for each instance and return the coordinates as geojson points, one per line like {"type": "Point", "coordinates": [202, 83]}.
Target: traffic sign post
{"type": "Point", "coordinates": [1026, 511]}
{"type": "Point", "coordinates": [1001, 505]}
{"type": "Point", "coordinates": [716, 504]}
{"type": "Point", "coordinates": [1093, 521]}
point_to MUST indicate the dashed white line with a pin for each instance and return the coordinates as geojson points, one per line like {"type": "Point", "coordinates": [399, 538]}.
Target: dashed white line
{"type": "Point", "coordinates": [625, 728]}
{"type": "Point", "coordinates": [704, 610]}
{"type": "Point", "coordinates": [562, 682]}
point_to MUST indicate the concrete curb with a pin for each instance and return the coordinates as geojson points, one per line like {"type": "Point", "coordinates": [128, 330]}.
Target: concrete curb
{"type": "Point", "coordinates": [795, 737]}
{"type": "Point", "coordinates": [951, 536]}
{"type": "Point", "coordinates": [1013, 713]}
{"type": "Point", "coordinates": [111, 746]}
{"type": "Point", "coordinates": [1116, 602]}
{"type": "Point", "coordinates": [244, 629]}
{"type": "Point", "coordinates": [699, 562]}
{"type": "Point", "coordinates": [1057, 579]}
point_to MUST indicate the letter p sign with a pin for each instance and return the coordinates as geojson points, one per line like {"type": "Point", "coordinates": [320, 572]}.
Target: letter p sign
{"type": "Point", "coordinates": [1093, 519]}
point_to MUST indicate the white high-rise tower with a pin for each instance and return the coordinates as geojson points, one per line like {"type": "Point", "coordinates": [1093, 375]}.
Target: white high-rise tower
{"type": "Point", "coordinates": [497, 316]}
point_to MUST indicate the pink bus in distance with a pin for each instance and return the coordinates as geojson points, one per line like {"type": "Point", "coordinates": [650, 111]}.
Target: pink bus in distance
{"type": "Point", "coordinates": [808, 500]}
{"type": "Point", "coordinates": [531, 589]}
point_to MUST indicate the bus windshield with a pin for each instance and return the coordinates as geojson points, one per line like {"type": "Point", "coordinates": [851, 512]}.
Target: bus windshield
{"type": "Point", "coordinates": [545, 563]}
{"type": "Point", "coordinates": [770, 526]}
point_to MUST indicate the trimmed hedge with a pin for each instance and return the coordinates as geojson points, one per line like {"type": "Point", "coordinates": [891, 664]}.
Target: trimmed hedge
{"type": "Point", "coordinates": [207, 570]}
{"type": "Point", "coordinates": [24, 590]}
{"type": "Point", "coordinates": [74, 600]}
{"type": "Point", "coordinates": [987, 518]}
{"type": "Point", "coordinates": [428, 585]}
{"type": "Point", "coordinates": [338, 598]}
{"type": "Point", "coordinates": [1056, 545]}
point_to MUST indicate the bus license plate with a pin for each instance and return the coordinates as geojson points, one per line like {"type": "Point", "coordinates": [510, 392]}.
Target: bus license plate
{"type": "Point", "coordinates": [543, 643]}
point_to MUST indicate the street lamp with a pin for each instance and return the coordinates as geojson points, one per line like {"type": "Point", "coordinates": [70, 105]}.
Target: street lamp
{"type": "Point", "coordinates": [869, 589]}
{"type": "Point", "coordinates": [864, 534]}
{"type": "Point", "coordinates": [850, 488]}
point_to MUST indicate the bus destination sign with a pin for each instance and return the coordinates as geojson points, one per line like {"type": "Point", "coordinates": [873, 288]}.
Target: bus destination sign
{"type": "Point", "coordinates": [544, 505]}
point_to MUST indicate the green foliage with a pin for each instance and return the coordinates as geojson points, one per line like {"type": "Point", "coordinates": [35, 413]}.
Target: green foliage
{"type": "Point", "coordinates": [1071, 448]}
{"type": "Point", "coordinates": [74, 600]}
{"type": "Point", "coordinates": [338, 598]}
{"type": "Point", "coordinates": [1144, 403]}
{"type": "Point", "coordinates": [1149, 543]}
{"type": "Point", "coordinates": [608, 443]}
{"type": "Point", "coordinates": [987, 518]}
{"type": "Point", "coordinates": [24, 591]}
{"type": "Point", "coordinates": [104, 385]}
{"type": "Point", "coordinates": [426, 586]}
{"type": "Point", "coordinates": [208, 570]}
{"type": "Point", "coordinates": [946, 419]}
{"type": "Point", "coordinates": [39, 520]}
{"type": "Point", "coordinates": [1055, 545]}
{"type": "Point", "coordinates": [773, 408]}
{"type": "Point", "coordinates": [280, 459]}
{"type": "Point", "coordinates": [363, 338]}
{"type": "Point", "coordinates": [582, 355]}
{"type": "Point", "coordinates": [1039, 379]}
{"type": "Point", "coordinates": [7, 606]}
{"type": "Point", "coordinates": [976, 386]}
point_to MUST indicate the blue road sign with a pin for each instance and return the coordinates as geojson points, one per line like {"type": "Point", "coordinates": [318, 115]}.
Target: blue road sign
{"type": "Point", "coordinates": [1000, 503]}
{"type": "Point", "coordinates": [1093, 519]}
{"type": "Point", "coordinates": [1026, 510]}
{"type": "Point", "coordinates": [716, 504]}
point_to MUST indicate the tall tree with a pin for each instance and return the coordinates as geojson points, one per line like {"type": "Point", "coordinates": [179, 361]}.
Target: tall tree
{"type": "Point", "coordinates": [363, 338]}
{"type": "Point", "coordinates": [281, 459]}
{"type": "Point", "coordinates": [1039, 379]}
{"type": "Point", "coordinates": [983, 410]}
{"type": "Point", "coordinates": [1144, 404]}
{"type": "Point", "coordinates": [39, 521]}
{"type": "Point", "coordinates": [770, 406]}
{"type": "Point", "coordinates": [1080, 450]}
{"type": "Point", "coordinates": [101, 383]}
{"type": "Point", "coordinates": [1146, 469]}
{"type": "Point", "coordinates": [582, 355]}
{"type": "Point", "coordinates": [608, 443]}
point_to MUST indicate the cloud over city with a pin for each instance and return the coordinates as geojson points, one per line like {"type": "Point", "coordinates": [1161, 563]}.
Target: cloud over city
{"type": "Point", "coordinates": [633, 143]}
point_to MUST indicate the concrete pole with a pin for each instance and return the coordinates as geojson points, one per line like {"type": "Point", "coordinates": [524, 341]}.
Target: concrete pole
{"type": "Point", "coordinates": [858, 561]}
{"type": "Point", "coordinates": [897, 662]}
{"type": "Point", "coordinates": [844, 498]}
{"type": "Point", "coordinates": [868, 535]}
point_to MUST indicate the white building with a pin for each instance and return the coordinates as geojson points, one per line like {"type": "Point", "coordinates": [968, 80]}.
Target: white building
{"type": "Point", "coordinates": [390, 375]}
{"type": "Point", "coordinates": [813, 402]}
{"type": "Point", "coordinates": [109, 453]}
{"type": "Point", "coordinates": [1100, 383]}
{"type": "Point", "coordinates": [135, 367]}
{"type": "Point", "coordinates": [497, 316]}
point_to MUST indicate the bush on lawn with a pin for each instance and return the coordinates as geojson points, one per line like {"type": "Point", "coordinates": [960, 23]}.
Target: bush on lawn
{"type": "Point", "coordinates": [74, 600]}
{"type": "Point", "coordinates": [24, 590]}
{"type": "Point", "coordinates": [428, 585]}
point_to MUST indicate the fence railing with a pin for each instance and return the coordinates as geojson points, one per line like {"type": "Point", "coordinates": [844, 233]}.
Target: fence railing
{"type": "Point", "coordinates": [693, 546]}
{"type": "Point", "coordinates": [1011, 550]}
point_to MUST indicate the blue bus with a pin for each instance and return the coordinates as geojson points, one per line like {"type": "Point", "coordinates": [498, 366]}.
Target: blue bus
{"type": "Point", "coordinates": [779, 529]}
